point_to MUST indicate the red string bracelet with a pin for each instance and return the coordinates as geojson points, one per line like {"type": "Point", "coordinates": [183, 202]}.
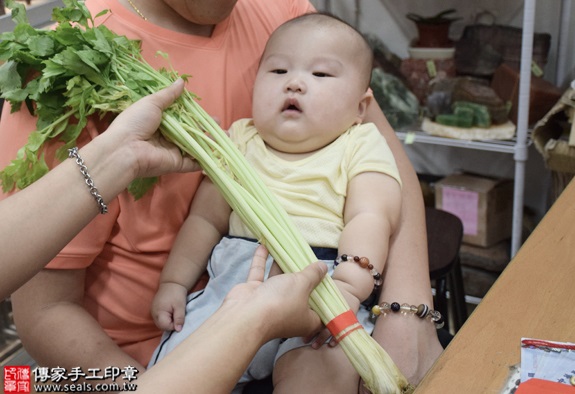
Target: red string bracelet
{"type": "Point", "coordinates": [343, 325]}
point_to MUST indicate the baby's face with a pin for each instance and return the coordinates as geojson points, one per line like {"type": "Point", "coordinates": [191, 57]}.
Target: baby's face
{"type": "Point", "coordinates": [308, 89]}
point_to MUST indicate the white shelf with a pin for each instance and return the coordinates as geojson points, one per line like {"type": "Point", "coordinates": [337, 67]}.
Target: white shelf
{"type": "Point", "coordinates": [500, 146]}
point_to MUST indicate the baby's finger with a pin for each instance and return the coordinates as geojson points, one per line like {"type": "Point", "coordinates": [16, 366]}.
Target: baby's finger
{"type": "Point", "coordinates": [164, 321]}
{"type": "Point", "coordinates": [179, 317]}
{"type": "Point", "coordinates": [320, 339]}
{"type": "Point", "coordinates": [258, 267]}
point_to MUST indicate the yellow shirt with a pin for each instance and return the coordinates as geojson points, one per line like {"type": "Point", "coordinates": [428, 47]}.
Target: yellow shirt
{"type": "Point", "coordinates": [313, 189]}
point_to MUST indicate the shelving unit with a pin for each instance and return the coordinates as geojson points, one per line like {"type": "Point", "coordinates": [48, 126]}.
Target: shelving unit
{"type": "Point", "coordinates": [500, 146]}
{"type": "Point", "coordinates": [519, 145]}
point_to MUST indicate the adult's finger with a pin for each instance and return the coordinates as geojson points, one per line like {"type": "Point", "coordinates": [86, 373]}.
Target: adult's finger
{"type": "Point", "coordinates": [148, 110]}
{"type": "Point", "coordinates": [314, 273]}
{"type": "Point", "coordinates": [165, 97]}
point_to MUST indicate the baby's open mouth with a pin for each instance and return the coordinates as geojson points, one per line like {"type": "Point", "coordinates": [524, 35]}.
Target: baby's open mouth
{"type": "Point", "coordinates": [291, 105]}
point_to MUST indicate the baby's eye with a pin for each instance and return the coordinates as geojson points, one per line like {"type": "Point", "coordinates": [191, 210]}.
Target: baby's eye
{"type": "Point", "coordinates": [321, 74]}
{"type": "Point", "coordinates": [279, 71]}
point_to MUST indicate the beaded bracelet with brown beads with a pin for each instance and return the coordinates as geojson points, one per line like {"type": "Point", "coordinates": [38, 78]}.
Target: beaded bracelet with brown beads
{"type": "Point", "coordinates": [363, 262]}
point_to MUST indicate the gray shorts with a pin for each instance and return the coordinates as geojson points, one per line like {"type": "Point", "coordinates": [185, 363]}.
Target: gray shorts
{"type": "Point", "coordinates": [228, 266]}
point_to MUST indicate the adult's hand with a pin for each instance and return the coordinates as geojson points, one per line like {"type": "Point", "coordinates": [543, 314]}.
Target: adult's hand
{"type": "Point", "coordinates": [282, 299]}
{"type": "Point", "coordinates": [135, 129]}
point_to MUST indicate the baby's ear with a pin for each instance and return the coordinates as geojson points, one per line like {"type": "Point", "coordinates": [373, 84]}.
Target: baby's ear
{"type": "Point", "coordinates": [362, 106]}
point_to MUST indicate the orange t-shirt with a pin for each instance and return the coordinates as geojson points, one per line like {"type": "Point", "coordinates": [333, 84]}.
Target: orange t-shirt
{"type": "Point", "coordinates": [125, 250]}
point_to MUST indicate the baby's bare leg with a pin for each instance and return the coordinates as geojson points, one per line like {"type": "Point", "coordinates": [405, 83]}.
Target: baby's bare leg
{"type": "Point", "coordinates": [307, 370]}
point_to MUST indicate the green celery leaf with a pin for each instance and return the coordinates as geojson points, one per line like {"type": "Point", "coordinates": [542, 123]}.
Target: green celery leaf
{"type": "Point", "coordinates": [36, 139]}
{"type": "Point", "coordinates": [100, 41]}
{"type": "Point", "coordinates": [53, 69]}
{"type": "Point", "coordinates": [15, 98]}
{"type": "Point", "coordinates": [22, 33]}
{"type": "Point", "coordinates": [66, 35]}
{"type": "Point", "coordinates": [9, 78]}
{"type": "Point", "coordinates": [93, 58]}
{"type": "Point", "coordinates": [37, 169]}
{"type": "Point", "coordinates": [18, 12]}
{"type": "Point", "coordinates": [25, 57]}
{"type": "Point", "coordinates": [73, 11]}
{"type": "Point", "coordinates": [74, 65]}
{"type": "Point", "coordinates": [49, 108]}
{"type": "Point", "coordinates": [41, 45]}
{"type": "Point", "coordinates": [140, 186]}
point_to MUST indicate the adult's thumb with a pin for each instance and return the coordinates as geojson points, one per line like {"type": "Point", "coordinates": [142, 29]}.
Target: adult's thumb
{"type": "Point", "coordinates": [314, 273]}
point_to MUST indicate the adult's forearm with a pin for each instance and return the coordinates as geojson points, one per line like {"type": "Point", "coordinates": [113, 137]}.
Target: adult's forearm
{"type": "Point", "coordinates": [40, 220]}
{"type": "Point", "coordinates": [411, 342]}
{"type": "Point", "coordinates": [63, 334]}
{"type": "Point", "coordinates": [213, 358]}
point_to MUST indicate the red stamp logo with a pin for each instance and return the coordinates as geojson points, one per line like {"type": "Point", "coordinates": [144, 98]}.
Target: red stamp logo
{"type": "Point", "coordinates": [17, 379]}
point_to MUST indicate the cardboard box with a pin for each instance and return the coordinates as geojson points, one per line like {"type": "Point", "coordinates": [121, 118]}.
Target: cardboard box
{"type": "Point", "coordinates": [484, 205]}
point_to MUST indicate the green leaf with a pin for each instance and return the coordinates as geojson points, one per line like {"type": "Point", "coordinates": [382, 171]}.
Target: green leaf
{"type": "Point", "coordinates": [52, 69]}
{"type": "Point", "coordinates": [37, 169]}
{"type": "Point", "coordinates": [73, 11]}
{"type": "Point", "coordinates": [9, 78]}
{"type": "Point", "coordinates": [15, 98]}
{"type": "Point", "coordinates": [93, 58]}
{"type": "Point", "coordinates": [74, 65]}
{"type": "Point", "coordinates": [36, 139]}
{"type": "Point", "coordinates": [41, 45]}
{"type": "Point", "coordinates": [101, 42]}
{"type": "Point", "coordinates": [67, 35]}
{"type": "Point", "coordinates": [140, 186]}
{"type": "Point", "coordinates": [18, 12]}
{"type": "Point", "coordinates": [23, 32]}
{"type": "Point", "coordinates": [26, 58]}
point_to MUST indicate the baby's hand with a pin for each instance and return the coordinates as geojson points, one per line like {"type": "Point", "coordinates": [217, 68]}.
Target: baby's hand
{"type": "Point", "coordinates": [169, 307]}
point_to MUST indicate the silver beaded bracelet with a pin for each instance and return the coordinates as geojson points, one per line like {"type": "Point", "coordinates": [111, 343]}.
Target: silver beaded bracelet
{"type": "Point", "coordinates": [73, 154]}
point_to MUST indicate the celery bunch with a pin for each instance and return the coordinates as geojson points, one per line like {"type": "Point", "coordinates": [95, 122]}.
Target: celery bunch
{"type": "Point", "coordinates": [80, 69]}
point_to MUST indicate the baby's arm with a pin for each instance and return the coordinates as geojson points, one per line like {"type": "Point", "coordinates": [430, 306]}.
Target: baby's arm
{"type": "Point", "coordinates": [204, 227]}
{"type": "Point", "coordinates": [371, 214]}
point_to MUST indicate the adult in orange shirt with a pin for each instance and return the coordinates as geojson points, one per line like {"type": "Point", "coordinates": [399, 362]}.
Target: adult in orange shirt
{"type": "Point", "coordinates": [95, 296]}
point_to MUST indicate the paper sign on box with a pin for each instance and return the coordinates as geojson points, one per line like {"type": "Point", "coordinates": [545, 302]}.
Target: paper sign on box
{"type": "Point", "coordinates": [484, 205]}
